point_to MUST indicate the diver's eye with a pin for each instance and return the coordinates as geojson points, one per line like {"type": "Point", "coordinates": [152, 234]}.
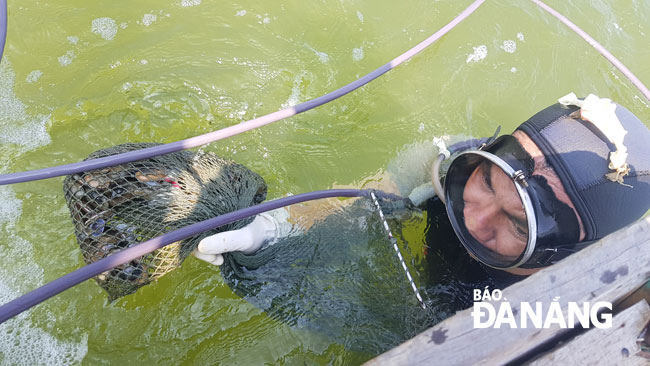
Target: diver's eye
{"type": "Point", "coordinates": [486, 176]}
{"type": "Point", "coordinates": [520, 232]}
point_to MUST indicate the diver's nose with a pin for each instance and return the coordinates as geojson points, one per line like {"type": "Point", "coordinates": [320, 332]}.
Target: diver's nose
{"type": "Point", "coordinates": [479, 222]}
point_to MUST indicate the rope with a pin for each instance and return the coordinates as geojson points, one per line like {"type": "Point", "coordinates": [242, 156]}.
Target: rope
{"type": "Point", "coordinates": [397, 251]}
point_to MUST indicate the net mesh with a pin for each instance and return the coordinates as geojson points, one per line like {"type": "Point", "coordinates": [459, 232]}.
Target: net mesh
{"type": "Point", "coordinates": [341, 278]}
{"type": "Point", "coordinates": [117, 207]}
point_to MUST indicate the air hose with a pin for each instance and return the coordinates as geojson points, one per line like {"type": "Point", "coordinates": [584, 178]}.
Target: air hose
{"type": "Point", "coordinates": [445, 153]}
{"type": "Point", "coordinates": [3, 26]}
{"type": "Point", "coordinates": [207, 138]}
{"type": "Point", "coordinates": [65, 282]}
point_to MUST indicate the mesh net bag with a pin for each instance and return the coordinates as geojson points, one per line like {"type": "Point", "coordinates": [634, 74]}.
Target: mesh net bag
{"type": "Point", "coordinates": [117, 207]}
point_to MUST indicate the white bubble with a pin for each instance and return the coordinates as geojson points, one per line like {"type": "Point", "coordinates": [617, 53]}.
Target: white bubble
{"type": "Point", "coordinates": [360, 16]}
{"type": "Point", "coordinates": [34, 76]}
{"type": "Point", "coordinates": [23, 343]}
{"type": "Point", "coordinates": [513, 69]}
{"type": "Point", "coordinates": [479, 54]}
{"type": "Point", "coordinates": [188, 3]}
{"type": "Point", "coordinates": [73, 39]}
{"type": "Point", "coordinates": [10, 207]}
{"type": "Point", "coordinates": [520, 36]}
{"type": "Point", "coordinates": [322, 56]}
{"type": "Point", "coordinates": [66, 59]}
{"type": "Point", "coordinates": [295, 96]}
{"type": "Point", "coordinates": [16, 125]}
{"type": "Point", "coordinates": [123, 25]}
{"type": "Point", "coordinates": [357, 54]}
{"type": "Point", "coordinates": [266, 20]}
{"type": "Point", "coordinates": [421, 127]}
{"type": "Point", "coordinates": [104, 27]}
{"type": "Point", "coordinates": [148, 19]}
{"type": "Point", "coordinates": [509, 46]}
{"type": "Point", "coordinates": [240, 13]}
{"type": "Point", "coordinates": [143, 62]}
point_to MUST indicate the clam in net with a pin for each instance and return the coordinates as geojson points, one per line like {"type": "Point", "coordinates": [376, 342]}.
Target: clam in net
{"type": "Point", "coordinates": [118, 207]}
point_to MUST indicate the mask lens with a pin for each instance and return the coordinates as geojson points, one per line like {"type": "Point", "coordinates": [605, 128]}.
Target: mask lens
{"type": "Point", "coordinates": [486, 209]}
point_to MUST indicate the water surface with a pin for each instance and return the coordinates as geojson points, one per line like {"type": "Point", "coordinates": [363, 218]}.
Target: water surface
{"type": "Point", "coordinates": [79, 76]}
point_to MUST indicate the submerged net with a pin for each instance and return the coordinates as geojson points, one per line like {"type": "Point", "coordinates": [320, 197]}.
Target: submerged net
{"type": "Point", "coordinates": [118, 207]}
{"type": "Point", "coordinates": [341, 278]}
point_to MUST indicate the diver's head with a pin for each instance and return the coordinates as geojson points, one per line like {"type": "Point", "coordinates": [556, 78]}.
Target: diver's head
{"type": "Point", "coordinates": [565, 178]}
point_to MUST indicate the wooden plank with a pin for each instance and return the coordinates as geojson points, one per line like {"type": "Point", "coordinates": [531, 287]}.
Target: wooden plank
{"type": "Point", "coordinates": [613, 346]}
{"type": "Point", "coordinates": [605, 271]}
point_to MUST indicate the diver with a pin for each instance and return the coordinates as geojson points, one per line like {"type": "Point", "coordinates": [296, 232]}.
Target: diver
{"type": "Point", "coordinates": [565, 178]}
{"type": "Point", "coordinates": [570, 175]}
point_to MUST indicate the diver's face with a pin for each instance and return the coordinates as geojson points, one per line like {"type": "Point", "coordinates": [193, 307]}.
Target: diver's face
{"type": "Point", "coordinates": [493, 212]}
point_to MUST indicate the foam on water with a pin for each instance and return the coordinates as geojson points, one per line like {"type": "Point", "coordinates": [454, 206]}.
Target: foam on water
{"type": "Point", "coordinates": [520, 36]}
{"type": "Point", "coordinates": [479, 54]}
{"type": "Point", "coordinates": [104, 27]}
{"type": "Point", "coordinates": [16, 125]}
{"type": "Point", "coordinates": [240, 13]}
{"type": "Point", "coordinates": [66, 59]}
{"type": "Point", "coordinates": [360, 16]}
{"type": "Point", "coordinates": [357, 54]}
{"type": "Point", "coordinates": [73, 39]}
{"type": "Point", "coordinates": [21, 341]}
{"type": "Point", "coordinates": [10, 206]}
{"type": "Point", "coordinates": [295, 96]}
{"type": "Point", "coordinates": [509, 46]}
{"type": "Point", "coordinates": [187, 3]}
{"type": "Point", "coordinates": [148, 19]}
{"type": "Point", "coordinates": [322, 56]}
{"type": "Point", "coordinates": [34, 76]}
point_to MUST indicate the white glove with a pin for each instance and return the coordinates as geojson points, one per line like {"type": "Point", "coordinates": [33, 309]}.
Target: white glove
{"type": "Point", "coordinates": [247, 240]}
{"type": "Point", "coordinates": [422, 193]}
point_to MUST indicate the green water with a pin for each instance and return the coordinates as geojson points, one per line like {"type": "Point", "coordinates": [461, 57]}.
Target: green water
{"type": "Point", "coordinates": [160, 71]}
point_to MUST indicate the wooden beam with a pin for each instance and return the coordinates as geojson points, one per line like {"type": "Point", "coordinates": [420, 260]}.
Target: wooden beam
{"type": "Point", "coordinates": [605, 271]}
{"type": "Point", "coordinates": [614, 346]}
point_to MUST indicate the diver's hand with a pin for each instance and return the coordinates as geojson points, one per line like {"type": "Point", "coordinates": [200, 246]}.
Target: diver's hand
{"type": "Point", "coordinates": [422, 193]}
{"type": "Point", "coordinates": [247, 240]}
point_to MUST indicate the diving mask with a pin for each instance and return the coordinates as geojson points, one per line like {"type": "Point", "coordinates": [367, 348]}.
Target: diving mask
{"type": "Point", "coordinates": [548, 224]}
